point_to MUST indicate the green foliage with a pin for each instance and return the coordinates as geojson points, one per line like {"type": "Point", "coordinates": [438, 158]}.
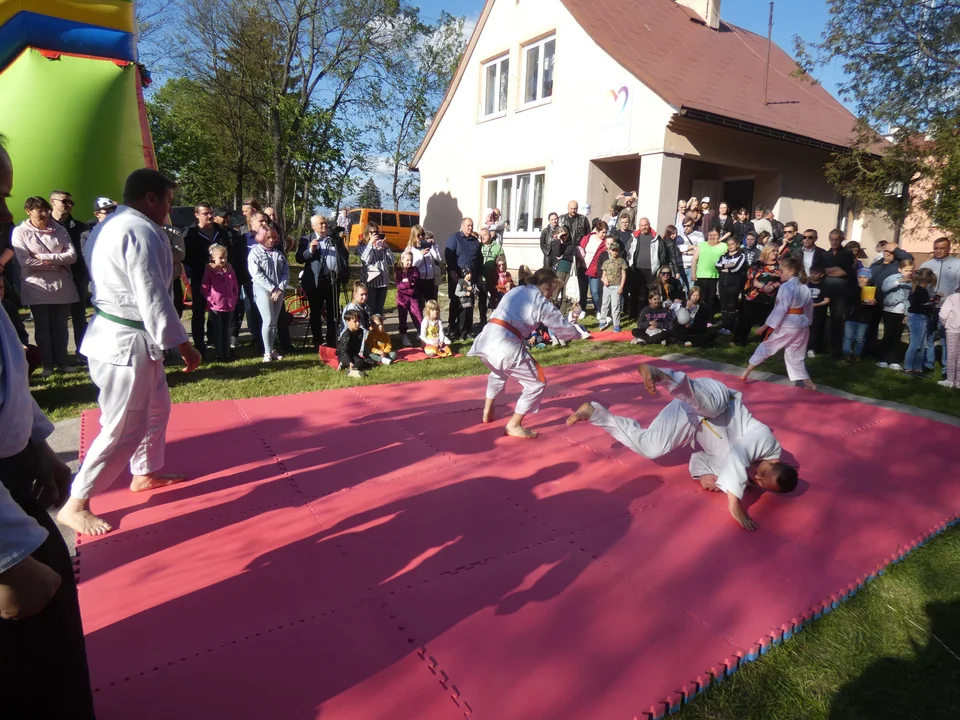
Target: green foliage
{"type": "Point", "coordinates": [369, 195]}
{"type": "Point", "coordinates": [903, 61]}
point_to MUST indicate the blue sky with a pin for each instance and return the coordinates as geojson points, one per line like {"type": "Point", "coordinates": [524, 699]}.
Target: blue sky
{"type": "Point", "coordinates": [806, 18]}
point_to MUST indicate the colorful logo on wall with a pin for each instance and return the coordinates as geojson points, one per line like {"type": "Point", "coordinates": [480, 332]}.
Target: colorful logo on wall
{"type": "Point", "coordinates": [620, 98]}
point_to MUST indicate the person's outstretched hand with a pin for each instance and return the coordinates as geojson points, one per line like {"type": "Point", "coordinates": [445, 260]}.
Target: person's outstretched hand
{"type": "Point", "coordinates": [191, 357]}
{"type": "Point", "coordinates": [739, 514]}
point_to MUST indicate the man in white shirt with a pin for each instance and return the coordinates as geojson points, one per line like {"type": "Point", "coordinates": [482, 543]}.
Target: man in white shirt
{"type": "Point", "coordinates": [42, 654]}
{"type": "Point", "coordinates": [130, 265]}
{"type": "Point", "coordinates": [947, 269]}
{"type": "Point", "coordinates": [734, 444]}
{"type": "Point", "coordinates": [760, 222]}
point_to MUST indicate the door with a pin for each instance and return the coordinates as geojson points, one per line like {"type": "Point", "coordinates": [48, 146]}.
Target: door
{"type": "Point", "coordinates": [739, 194]}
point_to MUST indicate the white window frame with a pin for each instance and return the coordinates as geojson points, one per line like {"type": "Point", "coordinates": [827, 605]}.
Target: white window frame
{"type": "Point", "coordinates": [515, 208]}
{"type": "Point", "coordinates": [540, 46]}
{"type": "Point", "coordinates": [499, 81]}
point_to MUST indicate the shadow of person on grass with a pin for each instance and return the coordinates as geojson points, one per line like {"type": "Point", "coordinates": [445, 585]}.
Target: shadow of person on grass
{"type": "Point", "coordinates": [926, 686]}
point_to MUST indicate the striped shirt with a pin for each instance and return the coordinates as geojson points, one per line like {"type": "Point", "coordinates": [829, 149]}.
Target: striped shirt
{"type": "Point", "coordinates": [377, 263]}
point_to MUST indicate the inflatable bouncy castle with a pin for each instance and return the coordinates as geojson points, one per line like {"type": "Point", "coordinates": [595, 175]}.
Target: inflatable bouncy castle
{"type": "Point", "coordinates": [71, 98]}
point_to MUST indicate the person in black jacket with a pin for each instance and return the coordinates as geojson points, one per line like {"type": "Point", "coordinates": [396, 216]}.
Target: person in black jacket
{"type": "Point", "coordinates": [325, 259]}
{"type": "Point", "coordinates": [579, 227]}
{"type": "Point", "coordinates": [62, 204]}
{"type": "Point", "coordinates": [197, 241]}
{"type": "Point", "coordinates": [547, 245]}
{"type": "Point", "coordinates": [733, 271]}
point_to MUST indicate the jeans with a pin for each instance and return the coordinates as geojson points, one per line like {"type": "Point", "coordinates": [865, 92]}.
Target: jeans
{"type": "Point", "coordinates": [854, 335]}
{"type": "Point", "coordinates": [269, 313]}
{"type": "Point", "coordinates": [920, 340]}
{"type": "Point", "coordinates": [50, 330]}
{"type": "Point", "coordinates": [596, 292]}
{"type": "Point", "coordinates": [376, 299]}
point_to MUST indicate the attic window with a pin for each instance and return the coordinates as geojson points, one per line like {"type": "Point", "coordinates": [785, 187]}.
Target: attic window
{"type": "Point", "coordinates": [538, 61]}
{"type": "Point", "coordinates": [495, 76]}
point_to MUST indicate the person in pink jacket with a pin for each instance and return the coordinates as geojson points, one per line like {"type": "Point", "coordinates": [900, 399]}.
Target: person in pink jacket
{"type": "Point", "coordinates": [45, 253]}
{"type": "Point", "coordinates": [220, 290]}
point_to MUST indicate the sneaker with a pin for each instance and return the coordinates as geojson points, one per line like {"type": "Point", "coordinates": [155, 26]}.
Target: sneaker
{"type": "Point", "coordinates": [405, 341]}
{"type": "Point", "coordinates": [663, 342]}
{"type": "Point", "coordinates": [47, 372]}
{"type": "Point", "coordinates": [945, 383]}
{"type": "Point", "coordinates": [233, 343]}
{"type": "Point", "coordinates": [882, 364]}
{"type": "Point", "coordinates": [355, 374]}
{"type": "Point", "coordinates": [895, 366]}
{"type": "Point", "coordinates": [562, 343]}
{"type": "Point", "coordinates": [386, 361]}
{"type": "Point", "coordinates": [811, 354]}
{"type": "Point", "coordinates": [603, 327]}
{"type": "Point", "coordinates": [267, 357]}
{"type": "Point", "coordinates": [688, 344]}
{"type": "Point", "coordinates": [724, 331]}
{"type": "Point", "coordinates": [638, 341]}
{"type": "Point", "coordinates": [616, 329]}
{"type": "Point", "coordinates": [274, 355]}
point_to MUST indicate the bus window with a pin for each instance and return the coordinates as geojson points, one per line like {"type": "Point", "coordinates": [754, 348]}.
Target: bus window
{"type": "Point", "coordinates": [416, 220]}
{"type": "Point", "coordinates": [373, 216]}
{"type": "Point", "coordinates": [405, 221]}
{"type": "Point", "coordinates": [353, 217]}
{"type": "Point", "coordinates": [389, 219]}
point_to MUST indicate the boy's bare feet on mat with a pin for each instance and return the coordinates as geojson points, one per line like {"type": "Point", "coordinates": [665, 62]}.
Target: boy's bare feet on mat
{"type": "Point", "coordinates": [519, 431]}
{"type": "Point", "coordinates": [152, 481]}
{"type": "Point", "coordinates": [488, 411]}
{"type": "Point", "coordinates": [582, 413]}
{"type": "Point", "coordinates": [76, 515]}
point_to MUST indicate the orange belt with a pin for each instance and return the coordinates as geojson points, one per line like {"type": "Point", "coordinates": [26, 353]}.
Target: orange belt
{"type": "Point", "coordinates": [791, 311]}
{"type": "Point", "coordinates": [519, 336]}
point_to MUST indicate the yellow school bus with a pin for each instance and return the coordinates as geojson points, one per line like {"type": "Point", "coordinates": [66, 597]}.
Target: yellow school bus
{"type": "Point", "coordinates": [394, 224]}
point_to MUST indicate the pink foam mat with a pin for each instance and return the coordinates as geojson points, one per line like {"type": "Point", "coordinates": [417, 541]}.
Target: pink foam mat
{"type": "Point", "coordinates": [378, 552]}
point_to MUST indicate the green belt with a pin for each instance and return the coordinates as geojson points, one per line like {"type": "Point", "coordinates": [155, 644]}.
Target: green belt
{"type": "Point", "coordinates": [135, 324]}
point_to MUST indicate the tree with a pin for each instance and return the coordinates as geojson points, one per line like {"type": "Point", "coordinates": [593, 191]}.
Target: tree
{"type": "Point", "coordinates": [415, 80]}
{"type": "Point", "coordinates": [369, 195]}
{"type": "Point", "coordinates": [902, 58]}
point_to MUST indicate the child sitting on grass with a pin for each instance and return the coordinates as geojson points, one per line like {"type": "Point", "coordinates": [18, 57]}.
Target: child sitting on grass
{"type": "Point", "coordinates": [654, 323]}
{"type": "Point", "coordinates": [573, 317]}
{"type": "Point", "coordinates": [359, 303]}
{"type": "Point", "coordinates": [350, 345]}
{"type": "Point", "coordinates": [379, 348]}
{"type": "Point", "coordinates": [435, 341]}
{"type": "Point", "coordinates": [857, 322]}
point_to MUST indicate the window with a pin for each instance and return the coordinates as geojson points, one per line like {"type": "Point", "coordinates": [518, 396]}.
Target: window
{"type": "Point", "coordinates": [389, 219]}
{"type": "Point", "coordinates": [519, 197]}
{"type": "Point", "coordinates": [538, 62]}
{"type": "Point", "coordinates": [495, 75]}
{"type": "Point", "coordinates": [373, 217]}
{"type": "Point", "coordinates": [353, 217]}
{"type": "Point", "coordinates": [406, 221]}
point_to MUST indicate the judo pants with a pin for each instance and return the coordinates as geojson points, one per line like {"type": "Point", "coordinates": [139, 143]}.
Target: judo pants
{"type": "Point", "coordinates": [135, 407]}
{"type": "Point", "coordinates": [532, 381]}
{"type": "Point", "coordinates": [793, 341]}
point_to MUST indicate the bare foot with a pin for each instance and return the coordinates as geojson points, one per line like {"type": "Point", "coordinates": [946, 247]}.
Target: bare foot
{"type": "Point", "coordinates": [584, 412]}
{"type": "Point", "coordinates": [744, 376]}
{"type": "Point", "coordinates": [153, 481]}
{"type": "Point", "coordinates": [808, 384]}
{"type": "Point", "coordinates": [488, 412]}
{"type": "Point", "coordinates": [76, 515]}
{"type": "Point", "coordinates": [519, 431]}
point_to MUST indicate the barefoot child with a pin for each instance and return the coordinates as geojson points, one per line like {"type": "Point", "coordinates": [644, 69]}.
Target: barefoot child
{"type": "Point", "coordinates": [435, 342]}
{"type": "Point", "coordinates": [220, 289]}
{"type": "Point", "coordinates": [407, 277]}
{"type": "Point", "coordinates": [789, 324]}
{"type": "Point", "coordinates": [379, 348]}
{"type": "Point", "coordinates": [735, 448]}
{"type": "Point", "coordinates": [501, 346]}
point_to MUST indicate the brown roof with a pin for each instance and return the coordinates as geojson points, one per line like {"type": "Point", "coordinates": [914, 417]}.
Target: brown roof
{"type": "Point", "coordinates": [719, 72]}
{"type": "Point", "coordinates": [672, 52]}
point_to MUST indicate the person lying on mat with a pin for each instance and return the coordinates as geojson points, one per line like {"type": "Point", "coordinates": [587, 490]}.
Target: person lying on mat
{"type": "Point", "coordinates": [501, 346]}
{"type": "Point", "coordinates": [735, 448]}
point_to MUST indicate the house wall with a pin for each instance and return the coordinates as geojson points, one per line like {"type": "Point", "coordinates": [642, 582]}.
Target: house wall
{"type": "Point", "coordinates": [589, 117]}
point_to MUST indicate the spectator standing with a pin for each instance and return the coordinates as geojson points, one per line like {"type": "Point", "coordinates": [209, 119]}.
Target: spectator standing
{"type": "Point", "coordinates": [62, 204]}
{"type": "Point", "coordinates": [820, 305]}
{"type": "Point", "coordinates": [792, 241]}
{"type": "Point", "coordinates": [920, 311]}
{"type": "Point", "coordinates": [777, 227]}
{"type": "Point", "coordinates": [198, 239]}
{"type": "Point", "coordinates": [896, 294]}
{"type": "Point", "coordinates": [760, 222]}
{"type": "Point", "coordinates": [891, 257]}
{"type": "Point", "coordinates": [733, 270]}
{"type": "Point", "coordinates": [579, 227]}
{"type": "Point", "coordinates": [705, 273]}
{"type": "Point", "coordinates": [591, 250]}
{"type": "Point", "coordinates": [681, 213]}
{"type": "Point", "coordinates": [614, 278]}
{"type": "Point", "coordinates": [324, 260]}
{"type": "Point", "coordinates": [751, 250]}
{"type": "Point", "coordinates": [950, 319]}
{"type": "Point", "coordinates": [547, 236]}
{"type": "Point", "coordinates": [378, 262]}
{"type": "Point", "coordinates": [103, 207]}
{"type": "Point", "coordinates": [462, 250]}
{"type": "Point", "coordinates": [947, 269]}
{"type": "Point", "coordinates": [708, 217]}
{"type": "Point", "coordinates": [486, 282]}
{"type": "Point", "coordinates": [566, 253]}
{"type": "Point", "coordinates": [811, 255]}
{"type": "Point", "coordinates": [742, 225]}
{"type": "Point", "coordinates": [178, 252]}
{"type": "Point", "coordinates": [626, 202]}
{"type": "Point", "coordinates": [45, 254]}
{"type": "Point", "coordinates": [687, 241]}
{"type": "Point", "coordinates": [838, 284]}
{"type": "Point", "coordinates": [759, 293]}
{"type": "Point", "coordinates": [220, 290]}
{"type": "Point", "coordinates": [427, 260]}
{"type": "Point", "coordinates": [855, 328]}
{"type": "Point", "coordinates": [236, 245]}
{"type": "Point", "coordinates": [270, 272]}
{"type": "Point", "coordinates": [723, 221]}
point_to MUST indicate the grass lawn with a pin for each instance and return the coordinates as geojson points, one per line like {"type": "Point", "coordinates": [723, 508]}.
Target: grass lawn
{"type": "Point", "coordinates": [892, 651]}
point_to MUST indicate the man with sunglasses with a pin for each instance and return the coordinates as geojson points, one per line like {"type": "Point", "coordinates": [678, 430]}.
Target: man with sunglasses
{"type": "Point", "coordinates": [811, 255]}
{"type": "Point", "coordinates": [62, 204]}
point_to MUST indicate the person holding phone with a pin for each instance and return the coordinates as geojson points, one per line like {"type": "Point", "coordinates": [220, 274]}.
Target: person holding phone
{"type": "Point", "coordinates": [378, 261]}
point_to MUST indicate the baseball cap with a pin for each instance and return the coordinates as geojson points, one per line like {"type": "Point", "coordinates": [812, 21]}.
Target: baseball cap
{"type": "Point", "coordinates": [705, 200]}
{"type": "Point", "coordinates": [221, 212]}
{"type": "Point", "coordinates": [104, 203]}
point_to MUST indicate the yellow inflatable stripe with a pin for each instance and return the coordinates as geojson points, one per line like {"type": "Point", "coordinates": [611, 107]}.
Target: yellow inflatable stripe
{"type": "Point", "coordinates": [113, 14]}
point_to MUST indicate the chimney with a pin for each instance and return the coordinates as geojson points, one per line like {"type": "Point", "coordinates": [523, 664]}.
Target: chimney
{"type": "Point", "coordinates": [708, 10]}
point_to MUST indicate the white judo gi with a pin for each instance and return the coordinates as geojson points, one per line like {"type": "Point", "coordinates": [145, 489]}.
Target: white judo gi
{"type": "Point", "coordinates": [130, 269]}
{"type": "Point", "coordinates": [502, 348]}
{"type": "Point", "coordinates": [789, 323]}
{"type": "Point", "coordinates": [705, 413]}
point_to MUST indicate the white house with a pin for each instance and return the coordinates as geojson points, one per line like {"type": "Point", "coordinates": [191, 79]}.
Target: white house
{"type": "Point", "coordinates": [559, 100]}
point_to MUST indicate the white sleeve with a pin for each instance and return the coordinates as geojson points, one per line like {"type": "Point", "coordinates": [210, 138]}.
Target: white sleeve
{"type": "Point", "coordinates": [757, 445]}
{"type": "Point", "coordinates": [708, 398]}
{"type": "Point", "coordinates": [779, 311]}
{"type": "Point", "coordinates": [554, 320]}
{"type": "Point", "coordinates": [20, 534]}
{"type": "Point", "coordinates": [148, 266]}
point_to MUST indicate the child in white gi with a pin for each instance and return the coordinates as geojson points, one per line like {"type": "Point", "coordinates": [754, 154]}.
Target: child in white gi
{"type": "Point", "coordinates": [789, 324]}
{"type": "Point", "coordinates": [501, 346]}
{"type": "Point", "coordinates": [733, 444]}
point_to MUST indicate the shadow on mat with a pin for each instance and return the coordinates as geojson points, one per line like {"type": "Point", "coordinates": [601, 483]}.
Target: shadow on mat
{"type": "Point", "coordinates": [927, 686]}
